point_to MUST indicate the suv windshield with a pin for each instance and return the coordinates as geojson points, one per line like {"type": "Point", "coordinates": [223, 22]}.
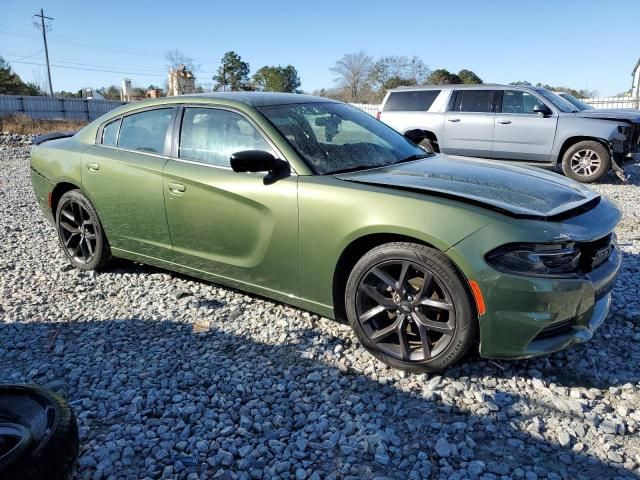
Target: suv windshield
{"type": "Point", "coordinates": [558, 102]}
{"type": "Point", "coordinates": [575, 102]}
{"type": "Point", "coordinates": [335, 137]}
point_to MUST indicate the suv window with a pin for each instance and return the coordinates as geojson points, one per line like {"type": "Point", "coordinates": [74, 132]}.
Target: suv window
{"type": "Point", "coordinates": [110, 133]}
{"type": "Point", "coordinates": [212, 136]}
{"type": "Point", "coordinates": [410, 101]}
{"type": "Point", "coordinates": [516, 101]}
{"type": "Point", "coordinates": [473, 101]}
{"type": "Point", "coordinates": [145, 131]}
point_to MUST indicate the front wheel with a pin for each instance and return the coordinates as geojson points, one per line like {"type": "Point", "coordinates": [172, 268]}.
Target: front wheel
{"type": "Point", "coordinates": [80, 232]}
{"type": "Point", "coordinates": [409, 307]}
{"type": "Point", "coordinates": [586, 161]}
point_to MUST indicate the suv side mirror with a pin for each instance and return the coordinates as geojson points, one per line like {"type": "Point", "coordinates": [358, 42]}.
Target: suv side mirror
{"type": "Point", "coordinates": [542, 109]}
{"type": "Point", "coordinates": [260, 161]}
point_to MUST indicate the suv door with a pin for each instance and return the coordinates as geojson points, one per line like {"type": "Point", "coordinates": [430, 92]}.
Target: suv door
{"type": "Point", "coordinates": [229, 224]}
{"type": "Point", "coordinates": [520, 133]}
{"type": "Point", "coordinates": [468, 126]}
{"type": "Point", "coordinates": [122, 176]}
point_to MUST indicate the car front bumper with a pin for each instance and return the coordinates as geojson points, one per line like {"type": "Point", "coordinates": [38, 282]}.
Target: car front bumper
{"type": "Point", "coordinates": [535, 316]}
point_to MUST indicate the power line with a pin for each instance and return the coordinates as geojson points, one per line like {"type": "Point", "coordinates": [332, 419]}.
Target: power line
{"type": "Point", "coordinates": [92, 69]}
{"type": "Point", "coordinates": [46, 49]}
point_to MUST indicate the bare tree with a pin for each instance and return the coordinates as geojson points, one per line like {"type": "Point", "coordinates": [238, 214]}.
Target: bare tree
{"type": "Point", "coordinates": [398, 69]}
{"type": "Point", "coordinates": [175, 58]}
{"type": "Point", "coordinates": [352, 71]}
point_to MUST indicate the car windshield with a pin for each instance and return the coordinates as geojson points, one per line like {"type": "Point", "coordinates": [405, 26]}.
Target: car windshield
{"type": "Point", "coordinates": [335, 137]}
{"type": "Point", "coordinates": [575, 102]}
{"type": "Point", "coordinates": [558, 102]}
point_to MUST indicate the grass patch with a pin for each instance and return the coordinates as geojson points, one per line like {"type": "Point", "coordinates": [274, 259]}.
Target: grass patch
{"type": "Point", "coordinates": [25, 125]}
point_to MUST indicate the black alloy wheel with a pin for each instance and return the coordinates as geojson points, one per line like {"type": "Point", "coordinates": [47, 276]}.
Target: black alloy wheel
{"type": "Point", "coordinates": [409, 306]}
{"type": "Point", "coordinates": [80, 232]}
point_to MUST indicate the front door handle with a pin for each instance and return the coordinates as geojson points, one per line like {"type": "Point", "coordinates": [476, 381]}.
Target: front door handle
{"type": "Point", "coordinates": [177, 188]}
{"type": "Point", "coordinates": [93, 167]}
{"type": "Point", "coordinates": [504, 122]}
{"type": "Point", "coordinates": [454, 120]}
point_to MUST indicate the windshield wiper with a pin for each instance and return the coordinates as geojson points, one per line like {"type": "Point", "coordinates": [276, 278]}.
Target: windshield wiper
{"type": "Point", "coordinates": [411, 158]}
{"type": "Point", "coordinates": [354, 169]}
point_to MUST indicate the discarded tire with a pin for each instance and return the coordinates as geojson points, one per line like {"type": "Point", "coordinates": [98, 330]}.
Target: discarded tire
{"type": "Point", "coordinates": [38, 434]}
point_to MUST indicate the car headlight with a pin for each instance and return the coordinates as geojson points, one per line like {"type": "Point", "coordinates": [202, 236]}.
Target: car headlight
{"type": "Point", "coordinates": [558, 259]}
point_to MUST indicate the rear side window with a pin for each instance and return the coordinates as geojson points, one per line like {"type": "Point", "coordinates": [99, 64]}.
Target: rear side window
{"type": "Point", "coordinates": [410, 101]}
{"type": "Point", "coordinates": [110, 133]}
{"type": "Point", "coordinates": [479, 101]}
{"type": "Point", "coordinates": [145, 131]}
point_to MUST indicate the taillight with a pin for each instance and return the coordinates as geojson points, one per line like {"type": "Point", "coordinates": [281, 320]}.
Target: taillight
{"type": "Point", "coordinates": [378, 115]}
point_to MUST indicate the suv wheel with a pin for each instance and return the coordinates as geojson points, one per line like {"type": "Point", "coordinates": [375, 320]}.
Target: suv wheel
{"type": "Point", "coordinates": [586, 161]}
{"type": "Point", "coordinates": [409, 307]}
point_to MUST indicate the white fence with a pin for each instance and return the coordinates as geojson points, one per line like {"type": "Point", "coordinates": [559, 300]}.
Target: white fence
{"type": "Point", "coordinates": [613, 102]}
{"type": "Point", "coordinates": [371, 109]}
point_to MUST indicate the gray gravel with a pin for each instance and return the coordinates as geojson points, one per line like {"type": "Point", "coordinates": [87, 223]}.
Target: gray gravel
{"type": "Point", "coordinates": [176, 378]}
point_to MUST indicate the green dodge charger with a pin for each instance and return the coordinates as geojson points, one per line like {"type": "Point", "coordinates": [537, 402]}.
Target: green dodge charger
{"type": "Point", "coordinates": [312, 202]}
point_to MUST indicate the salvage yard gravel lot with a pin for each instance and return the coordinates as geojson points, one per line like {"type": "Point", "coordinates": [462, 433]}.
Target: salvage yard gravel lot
{"type": "Point", "coordinates": [172, 377]}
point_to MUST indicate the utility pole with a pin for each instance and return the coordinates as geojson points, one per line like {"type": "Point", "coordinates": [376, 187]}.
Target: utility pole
{"type": "Point", "coordinates": [43, 27]}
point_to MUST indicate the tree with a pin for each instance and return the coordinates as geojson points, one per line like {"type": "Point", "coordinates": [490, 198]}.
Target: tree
{"type": "Point", "coordinates": [443, 77]}
{"type": "Point", "coordinates": [400, 68]}
{"type": "Point", "coordinates": [233, 73]}
{"type": "Point", "coordinates": [175, 58]}
{"type": "Point", "coordinates": [110, 93]}
{"type": "Point", "coordinates": [12, 84]}
{"type": "Point", "coordinates": [352, 72]}
{"type": "Point", "coordinates": [277, 79]}
{"type": "Point", "coordinates": [395, 82]}
{"type": "Point", "coordinates": [469, 77]}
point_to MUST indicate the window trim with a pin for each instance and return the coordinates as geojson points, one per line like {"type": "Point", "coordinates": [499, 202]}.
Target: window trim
{"type": "Point", "coordinates": [176, 131]}
{"type": "Point", "coordinates": [119, 120]}
{"type": "Point", "coordinates": [167, 140]}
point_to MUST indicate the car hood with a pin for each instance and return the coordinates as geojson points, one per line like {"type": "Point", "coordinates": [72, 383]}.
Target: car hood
{"type": "Point", "coordinates": [611, 114]}
{"type": "Point", "coordinates": [513, 190]}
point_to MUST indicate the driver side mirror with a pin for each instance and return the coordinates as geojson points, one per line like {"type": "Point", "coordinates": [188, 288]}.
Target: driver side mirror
{"type": "Point", "coordinates": [260, 161]}
{"type": "Point", "coordinates": [542, 109]}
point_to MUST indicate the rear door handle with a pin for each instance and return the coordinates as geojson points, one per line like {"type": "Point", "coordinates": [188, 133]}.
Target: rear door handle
{"type": "Point", "coordinates": [177, 188]}
{"type": "Point", "coordinates": [93, 167]}
{"type": "Point", "coordinates": [454, 120]}
{"type": "Point", "coordinates": [504, 122]}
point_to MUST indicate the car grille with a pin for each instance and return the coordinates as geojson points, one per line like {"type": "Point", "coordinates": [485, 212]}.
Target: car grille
{"type": "Point", "coordinates": [593, 254]}
{"type": "Point", "coordinates": [555, 329]}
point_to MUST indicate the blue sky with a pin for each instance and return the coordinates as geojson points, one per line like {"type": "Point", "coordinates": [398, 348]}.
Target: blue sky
{"type": "Point", "coordinates": [589, 43]}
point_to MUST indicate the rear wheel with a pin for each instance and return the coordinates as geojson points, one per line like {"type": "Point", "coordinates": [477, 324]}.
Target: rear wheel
{"type": "Point", "coordinates": [409, 307]}
{"type": "Point", "coordinates": [586, 161]}
{"type": "Point", "coordinates": [80, 232]}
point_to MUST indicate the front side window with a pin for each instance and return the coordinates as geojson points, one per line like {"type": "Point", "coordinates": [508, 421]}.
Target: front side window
{"type": "Point", "coordinates": [516, 101]}
{"type": "Point", "coordinates": [558, 102]}
{"type": "Point", "coordinates": [110, 133]}
{"type": "Point", "coordinates": [145, 131]}
{"type": "Point", "coordinates": [410, 101]}
{"type": "Point", "coordinates": [334, 137]}
{"type": "Point", "coordinates": [478, 101]}
{"type": "Point", "coordinates": [212, 136]}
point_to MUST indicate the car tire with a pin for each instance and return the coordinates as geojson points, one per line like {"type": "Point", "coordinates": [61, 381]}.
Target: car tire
{"type": "Point", "coordinates": [39, 440]}
{"type": "Point", "coordinates": [428, 145]}
{"type": "Point", "coordinates": [586, 161]}
{"type": "Point", "coordinates": [80, 232]}
{"type": "Point", "coordinates": [409, 307]}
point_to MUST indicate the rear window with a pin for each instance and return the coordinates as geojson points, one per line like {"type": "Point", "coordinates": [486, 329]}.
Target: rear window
{"type": "Point", "coordinates": [410, 101]}
{"type": "Point", "coordinates": [478, 101]}
{"type": "Point", "coordinates": [145, 131]}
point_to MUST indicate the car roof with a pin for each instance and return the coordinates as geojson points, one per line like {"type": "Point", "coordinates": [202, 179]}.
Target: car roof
{"type": "Point", "coordinates": [465, 86]}
{"type": "Point", "coordinates": [254, 99]}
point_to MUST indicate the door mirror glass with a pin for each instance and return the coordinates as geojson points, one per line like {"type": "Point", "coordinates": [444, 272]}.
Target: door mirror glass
{"type": "Point", "coordinates": [257, 161]}
{"type": "Point", "coordinates": [542, 110]}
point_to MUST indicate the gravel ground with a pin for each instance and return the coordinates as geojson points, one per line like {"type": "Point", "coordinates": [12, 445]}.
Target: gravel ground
{"type": "Point", "coordinates": [172, 377]}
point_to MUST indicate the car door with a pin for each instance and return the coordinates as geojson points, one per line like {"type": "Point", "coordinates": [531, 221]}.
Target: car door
{"type": "Point", "coordinates": [519, 132]}
{"type": "Point", "coordinates": [122, 176]}
{"type": "Point", "coordinates": [232, 225]}
{"type": "Point", "coordinates": [468, 126]}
